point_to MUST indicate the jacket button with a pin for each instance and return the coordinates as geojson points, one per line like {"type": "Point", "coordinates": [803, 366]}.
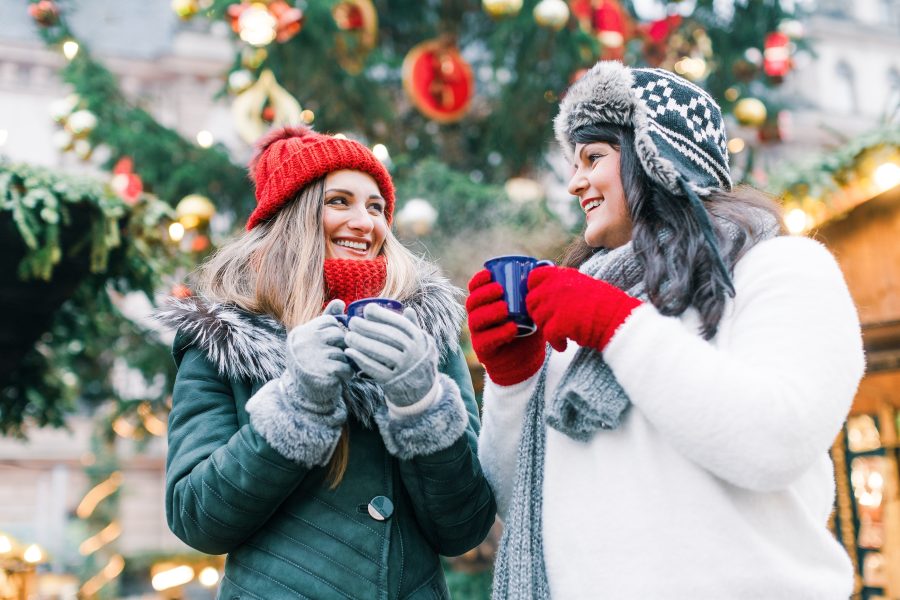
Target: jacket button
{"type": "Point", "coordinates": [381, 508]}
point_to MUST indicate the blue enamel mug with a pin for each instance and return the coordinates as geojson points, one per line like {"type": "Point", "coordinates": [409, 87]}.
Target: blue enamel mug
{"type": "Point", "coordinates": [511, 272]}
{"type": "Point", "coordinates": [355, 309]}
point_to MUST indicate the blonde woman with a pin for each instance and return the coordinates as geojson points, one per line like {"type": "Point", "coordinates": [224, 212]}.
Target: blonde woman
{"type": "Point", "coordinates": [326, 461]}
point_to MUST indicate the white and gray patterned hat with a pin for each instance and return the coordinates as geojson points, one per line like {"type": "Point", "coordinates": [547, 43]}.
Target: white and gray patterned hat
{"type": "Point", "coordinates": [679, 134]}
{"type": "Point", "coordinates": [678, 128]}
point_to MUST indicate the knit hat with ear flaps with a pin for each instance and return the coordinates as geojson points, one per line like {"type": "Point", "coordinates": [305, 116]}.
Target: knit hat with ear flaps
{"type": "Point", "coordinates": [290, 158]}
{"type": "Point", "coordinates": [679, 133]}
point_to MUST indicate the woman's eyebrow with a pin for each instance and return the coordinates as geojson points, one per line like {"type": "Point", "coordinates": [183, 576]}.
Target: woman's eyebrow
{"type": "Point", "coordinates": [349, 193]}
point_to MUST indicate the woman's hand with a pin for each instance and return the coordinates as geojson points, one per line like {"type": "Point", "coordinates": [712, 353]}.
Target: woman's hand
{"type": "Point", "coordinates": [567, 304]}
{"type": "Point", "coordinates": [395, 351]}
{"type": "Point", "coordinates": [316, 365]}
{"type": "Point", "coordinates": [506, 358]}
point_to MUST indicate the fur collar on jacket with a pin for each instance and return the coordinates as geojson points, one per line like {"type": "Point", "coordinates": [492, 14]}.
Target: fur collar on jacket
{"type": "Point", "coordinates": [244, 345]}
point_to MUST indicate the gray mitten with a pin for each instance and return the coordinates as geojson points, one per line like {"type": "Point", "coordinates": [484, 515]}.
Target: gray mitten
{"type": "Point", "coordinates": [316, 365]}
{"type": "Point", "coordinates": [300, 413]}
{"type": "Point", "coordinates": [394, 351]}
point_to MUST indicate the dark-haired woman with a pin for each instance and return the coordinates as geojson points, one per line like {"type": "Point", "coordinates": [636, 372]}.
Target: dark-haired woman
{"type": "Point", "coordinates": [665, 434]}
{"type": "Point", "coordinates": [317, 481]}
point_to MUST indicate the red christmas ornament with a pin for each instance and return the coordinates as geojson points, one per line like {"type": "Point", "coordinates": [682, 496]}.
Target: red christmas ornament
{"type": "Point", "coordinates": [658, 32]}
{"type": "Point", "coordinates": [656, 38]}
{"type": "Point", "coordinates": [289, 20]}
{"type": "Point", "coordinates": [199, 243]}
{"type": "Point", "coordinates": [438, 80]}
{"type": "Point", "coordinates": [777, 55]}
{"type": "Point", "coordinates": [125, 182]}
{"type": "Point", "coordinates": [45, 12]}
{"type": "Point", "coordinates": [607, 21]}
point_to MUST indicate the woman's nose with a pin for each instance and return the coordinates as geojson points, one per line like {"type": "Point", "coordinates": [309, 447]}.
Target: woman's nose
{"type": "Point", "coordinates": [577, 184]}
{"type": "Point", "coordinates": [361, 220]}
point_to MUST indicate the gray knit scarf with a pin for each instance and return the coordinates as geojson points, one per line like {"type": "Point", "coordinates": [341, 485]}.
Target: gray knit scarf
{"type": "Point", "coordinates": [587, 400]}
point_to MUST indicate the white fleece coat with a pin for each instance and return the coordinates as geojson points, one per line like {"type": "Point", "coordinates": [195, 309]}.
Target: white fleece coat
{"type": "Point", "coordinates": [718, 483]}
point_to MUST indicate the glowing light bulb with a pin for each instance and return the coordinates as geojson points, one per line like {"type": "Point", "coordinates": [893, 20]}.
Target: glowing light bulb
{"type": "Point", "coordinates": [209, 577]}
{"type": "Point", "coordinates": [257, 25]}
{"type": "Point", "coordinates": [176, 231]}
{"type": "Point", "coordinates": [887, 176]}
{"type": "Point", "coordinates": [33, 554]}
{"type": "Point", "coordinates": [70, 49]}
{"type": "Point", "coordinates": [796, 221]}
{"type": "Point", "coordinates": [205, 139]}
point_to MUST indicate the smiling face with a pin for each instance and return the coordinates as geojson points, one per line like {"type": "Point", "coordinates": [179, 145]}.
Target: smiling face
{"type": "Point", "coordinates": [597, 184]}
{"type": "Point", "coordinates": [353, 219]}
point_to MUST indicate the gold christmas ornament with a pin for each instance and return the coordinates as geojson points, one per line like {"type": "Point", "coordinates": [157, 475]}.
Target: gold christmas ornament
{"type": "Point", "coordinates": [750, 111]}
{"type": "Point", "coordinates": [552, 14]}
{"type": "Point", "coordinates": [249, 106]}
{"type": "Point", "coordinates": [185, 9]}
{"type": "Point", "coordinates": [193, 210]}
{"type": "Point", "coordinates": [498, 9]}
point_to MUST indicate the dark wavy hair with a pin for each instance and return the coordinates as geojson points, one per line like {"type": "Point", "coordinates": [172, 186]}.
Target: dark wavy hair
{"type": "Point", "coordinates": [679, 266]}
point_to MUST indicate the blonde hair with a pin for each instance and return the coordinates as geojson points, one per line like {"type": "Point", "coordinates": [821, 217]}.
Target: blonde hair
{"type": "Point", "coordinates": [276, 269]}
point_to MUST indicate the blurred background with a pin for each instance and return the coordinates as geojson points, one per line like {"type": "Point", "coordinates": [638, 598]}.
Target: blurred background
{"type": "Point", "coordinates": [125, 128]}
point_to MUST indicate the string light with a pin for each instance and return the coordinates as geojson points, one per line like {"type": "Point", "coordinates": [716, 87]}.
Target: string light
{"type": "Point", "coordinates": [113, 569]}
{"type": "Point", "coordinates": [100, 539]}
{"type": "Point", "coordinates": [172, 577]}
{"type": "Point", "coordinates": [97, 494]}
{"type": "Point", "coordinates": [152, 423]}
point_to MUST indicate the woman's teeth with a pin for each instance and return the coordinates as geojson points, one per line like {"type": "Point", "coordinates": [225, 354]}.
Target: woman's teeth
{"type": "Point", "coordinates": [354, 245]}
{"type": "Point", "coordinates": [592, 204]}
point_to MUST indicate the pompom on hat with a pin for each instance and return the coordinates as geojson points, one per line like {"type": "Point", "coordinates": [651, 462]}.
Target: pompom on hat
{"type": "Point", "coordinates": [290, 158]}
{"type": "Point", "coordinates": [679, 133]}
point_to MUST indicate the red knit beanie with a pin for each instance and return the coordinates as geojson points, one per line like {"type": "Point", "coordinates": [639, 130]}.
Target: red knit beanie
{"type": "Point", "coordinates": [288, 159]}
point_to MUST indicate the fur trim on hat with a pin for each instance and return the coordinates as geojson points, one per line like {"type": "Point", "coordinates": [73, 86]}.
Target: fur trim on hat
{"type": "Point", "coordinates": [244, 345]}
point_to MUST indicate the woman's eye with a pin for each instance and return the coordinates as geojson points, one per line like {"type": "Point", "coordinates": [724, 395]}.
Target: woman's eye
{"type": "Point", "coordinates": [336, 200]}
{"type": "Point", "coordinates": [595, 157]}
{"type": "Point", "coordinates": [377, 207]}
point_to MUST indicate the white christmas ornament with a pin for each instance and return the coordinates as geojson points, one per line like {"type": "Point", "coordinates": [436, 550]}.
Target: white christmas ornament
{"type": "Point", "coordinates": [417, 216]}
{"type": "Point", "coordinates": [552, 14]}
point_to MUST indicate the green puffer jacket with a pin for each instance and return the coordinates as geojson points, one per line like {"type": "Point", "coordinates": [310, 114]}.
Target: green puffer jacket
{"type": "Point", "coordinates": [413, 488]}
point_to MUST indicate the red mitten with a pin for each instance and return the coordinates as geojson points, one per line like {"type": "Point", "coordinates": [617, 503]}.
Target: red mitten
{"type": "Point", "coordinates": [566, 303]}
{"type": "Point", "coordinates": [507, 359]}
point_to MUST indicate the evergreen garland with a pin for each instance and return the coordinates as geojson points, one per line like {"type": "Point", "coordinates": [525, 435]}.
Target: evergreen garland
{"type": "Point", "coordinates": [73, 231]}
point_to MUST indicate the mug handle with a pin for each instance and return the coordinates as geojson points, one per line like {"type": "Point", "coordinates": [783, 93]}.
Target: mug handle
{"type": "Point", "coordinates": [544, 263]}
{"type": "Point", "coordinates": [343, 319]}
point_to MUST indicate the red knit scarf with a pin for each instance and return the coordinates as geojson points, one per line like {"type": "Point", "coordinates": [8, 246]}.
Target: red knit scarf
{"type": "Point", "coordinates": [350, 279]}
